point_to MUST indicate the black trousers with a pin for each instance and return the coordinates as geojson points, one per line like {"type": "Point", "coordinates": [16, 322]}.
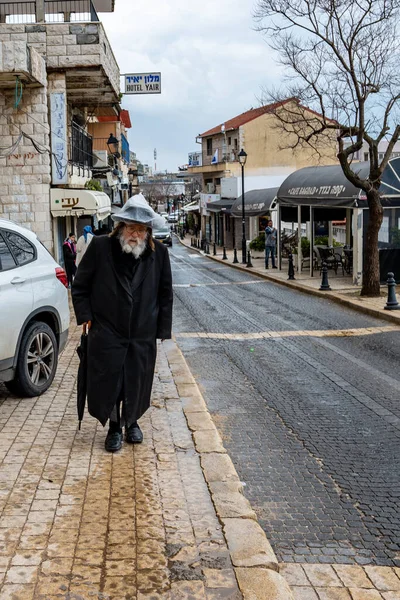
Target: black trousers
{"type": "Point", "coordinates": [70, 268]}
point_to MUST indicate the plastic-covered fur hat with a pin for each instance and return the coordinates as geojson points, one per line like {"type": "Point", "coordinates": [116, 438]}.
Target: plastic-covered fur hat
{"type": "Point", "coordinates": [138, 210]}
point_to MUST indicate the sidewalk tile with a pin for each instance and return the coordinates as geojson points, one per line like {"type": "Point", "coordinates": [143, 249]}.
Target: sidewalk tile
{"type": "Point", "coordinates": [353, 576]}
{"type": "Point", "coordinates": [362, 594]}
{"type": "Point", "coordinates": [219, 578]}
{"type": "Point", "coordinates": [304, 593]}
{"type": "Point", "coordinates": [188, 590]}
{"type": "Point", "coordinates": [332, 593]}
{"type": "Point", "coordinates": [17, 592]}
{"type": "Point", "coordinates": [21, 574]}
{"type": "Point", "coordinates": [383, 578]}
{"type": "Point", "coordinates": [294, 574]}
{"type": "Point", "coordinates": [322, 575]}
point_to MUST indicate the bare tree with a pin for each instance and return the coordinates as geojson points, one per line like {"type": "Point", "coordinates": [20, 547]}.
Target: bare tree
{"type": "Point", "coordinates": [341, 58]}
{"type": "Point", "coordinates": [160, 190]}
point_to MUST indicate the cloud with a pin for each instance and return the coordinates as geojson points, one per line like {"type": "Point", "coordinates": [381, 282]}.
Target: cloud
{"type": "Point", "coordinates": [213, 65]}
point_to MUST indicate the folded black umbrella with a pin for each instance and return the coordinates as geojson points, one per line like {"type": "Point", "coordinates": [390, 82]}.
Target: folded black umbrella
{"type": "Point", "coordinates": [82, 377]}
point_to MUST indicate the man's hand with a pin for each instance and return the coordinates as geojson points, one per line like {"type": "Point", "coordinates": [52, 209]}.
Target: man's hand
{"type": "Point", "coordinates": [86, 327]}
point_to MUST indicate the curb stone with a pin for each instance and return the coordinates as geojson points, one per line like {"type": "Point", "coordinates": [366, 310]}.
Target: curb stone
{"type": "Point", "coordinates": [254, 561]}
{"type": "Point", "coordinates": [372, 312]}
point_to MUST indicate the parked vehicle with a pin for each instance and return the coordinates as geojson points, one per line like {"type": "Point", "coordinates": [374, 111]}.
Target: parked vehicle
{"type": "Point", "coordinates": [172, 218]}
{"type": "Point", "coordinates": [163, 235]}
{"type": "Point", "coordinates": [34, 313]}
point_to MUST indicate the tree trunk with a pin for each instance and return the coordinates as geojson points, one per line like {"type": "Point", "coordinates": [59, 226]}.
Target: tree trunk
{"type": "Point", "coordinates": [371, 275]}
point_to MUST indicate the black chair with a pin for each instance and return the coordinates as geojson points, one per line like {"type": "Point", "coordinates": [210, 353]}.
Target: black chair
{"type": "Point", "coordinates": [348, 260]}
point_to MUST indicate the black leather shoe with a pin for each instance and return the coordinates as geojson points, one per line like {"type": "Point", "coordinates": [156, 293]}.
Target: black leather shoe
{"type": "Point", "coordinates": [134, 434]}
{"type": "Point", "coordinates": [113, 441]}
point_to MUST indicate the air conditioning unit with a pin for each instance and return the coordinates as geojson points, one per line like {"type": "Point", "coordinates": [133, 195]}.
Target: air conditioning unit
{"type": "Point", "coordinates": [210, 188]}
{"type": "Point", "coordinates": [100, 159]}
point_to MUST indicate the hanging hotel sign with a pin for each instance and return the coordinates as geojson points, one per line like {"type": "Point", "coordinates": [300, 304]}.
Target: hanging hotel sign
{"type": "Point", "coordinates": [143, 83]}
{"type": "Point", "coordinates": [59, 148]}
{"type": "Point", "coordinates": [195, 159]}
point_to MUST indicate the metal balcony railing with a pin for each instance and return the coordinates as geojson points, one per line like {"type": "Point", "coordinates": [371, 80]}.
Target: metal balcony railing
{"type": "Point", "coordinates": [55, 11]}
{"type": "Point", "coordinates": [81, 153]}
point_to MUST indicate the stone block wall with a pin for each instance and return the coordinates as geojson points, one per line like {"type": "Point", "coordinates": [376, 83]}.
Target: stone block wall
{"type": "Point", "coordinates": [25, 174]}
{"type": "Point", "coordinates": [68, 45]}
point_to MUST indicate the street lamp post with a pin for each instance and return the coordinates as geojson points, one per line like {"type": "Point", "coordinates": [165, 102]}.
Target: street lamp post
{"type": "Point", "coordinates": [242, 156]}
{"type": "Point", "coordinates": [113, 148]}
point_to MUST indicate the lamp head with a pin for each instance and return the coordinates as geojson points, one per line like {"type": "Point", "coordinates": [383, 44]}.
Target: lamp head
{"type": "Point", "coordinates": [113, 145]}
{"type": "Point", "coordinates": [242, 156]}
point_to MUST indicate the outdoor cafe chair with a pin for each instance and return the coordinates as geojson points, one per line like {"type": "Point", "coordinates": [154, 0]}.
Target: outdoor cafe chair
{"type": "Point", "coordinates": [328, 255]}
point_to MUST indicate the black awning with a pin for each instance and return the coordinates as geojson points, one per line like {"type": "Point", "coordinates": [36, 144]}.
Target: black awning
{"type": "Point", "coordinates": [225, 205]}
{"type": "Point", "coordinates": [328, 187]}
{"type": "Point", "coordinates": [321, 186]}
{"type": "Point", "coordinates": [256, 202]}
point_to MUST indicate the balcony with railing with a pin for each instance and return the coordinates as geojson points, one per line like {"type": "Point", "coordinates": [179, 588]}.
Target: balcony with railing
{"type": "Point", "coordinates": [48, 11]}
{"type": "Point", "coordinates": [69, 35]}
{"type": "Point", "coordinates": [81, 152]}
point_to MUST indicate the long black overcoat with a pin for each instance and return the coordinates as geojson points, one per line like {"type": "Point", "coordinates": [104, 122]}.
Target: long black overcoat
{"type": "Point", "coordinates": [126, 321]}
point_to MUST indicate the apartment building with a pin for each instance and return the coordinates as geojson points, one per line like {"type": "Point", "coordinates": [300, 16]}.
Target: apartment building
{"type": "Point", "coordinates": [270, 159]}
{"type": "Point", "coordinates": [58, 73]}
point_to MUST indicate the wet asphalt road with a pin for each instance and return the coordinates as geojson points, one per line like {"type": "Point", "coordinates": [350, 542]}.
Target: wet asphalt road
{"type": "Point", "coordinates": [311, 423]}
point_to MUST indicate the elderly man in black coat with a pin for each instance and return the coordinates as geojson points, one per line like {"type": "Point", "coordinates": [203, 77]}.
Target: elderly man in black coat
{"type": "Point", "coordinates": [123, 293]}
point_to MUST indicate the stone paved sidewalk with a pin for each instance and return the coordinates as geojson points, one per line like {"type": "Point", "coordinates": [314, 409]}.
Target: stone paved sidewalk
{"type": "Point", "coordinates": [78, 523]}
{"type": "Point", "coordinates": [165, 520]}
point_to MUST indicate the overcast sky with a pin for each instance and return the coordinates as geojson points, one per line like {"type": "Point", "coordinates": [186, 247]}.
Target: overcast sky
{"type": "Point", "coordinates": [212, 62]}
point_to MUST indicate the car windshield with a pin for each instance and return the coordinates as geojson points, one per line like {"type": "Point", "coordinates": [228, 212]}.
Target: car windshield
{"type": "Point", "coordinates": [162, 230]}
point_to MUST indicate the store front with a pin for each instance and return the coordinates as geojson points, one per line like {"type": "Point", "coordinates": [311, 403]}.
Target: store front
{"type": "Point", "coordinates": [319, 195]}
{"type": "Point", "coordinates": [72, 209]}
{"type": "Point", "coordinates": [220, 216]}
{"type": "Point", "coordinates": [258, 209]}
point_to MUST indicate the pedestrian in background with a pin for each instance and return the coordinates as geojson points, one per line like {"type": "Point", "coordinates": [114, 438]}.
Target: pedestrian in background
{"type": "Point", "coordinates": [270, 244]}
{"type": "Point", "coordinates": [69, 251]}
{"type": "Point", "coordinates": [123, 293]}
{"type": "Point", "coordinates": [83, 243]}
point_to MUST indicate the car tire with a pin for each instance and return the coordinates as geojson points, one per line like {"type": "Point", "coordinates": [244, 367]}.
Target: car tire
{"type": "Point", "coordinates": [37, 361]}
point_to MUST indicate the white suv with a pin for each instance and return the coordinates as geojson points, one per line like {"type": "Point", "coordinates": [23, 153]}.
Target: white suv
{"type": "Point", "coordinates": [34, 313]}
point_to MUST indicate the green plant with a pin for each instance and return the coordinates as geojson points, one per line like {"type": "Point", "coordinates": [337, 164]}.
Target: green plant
{"type": "Point", "coordinates": [190, 221]}
{"type": "Point", "coordinates": [305, 247]}
{"type": "Point", "coordinates": [323, 240]}
{"type": "Point", "coordinates": [93, 185]}
{"type": "Point", "coordinates": [258, 243]}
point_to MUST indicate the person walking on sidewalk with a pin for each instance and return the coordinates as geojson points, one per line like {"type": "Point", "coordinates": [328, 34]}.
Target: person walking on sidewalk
{"type": "Point", "coordinates": [69, 251]}
{"type": "Point", "coordinates": [83, 243]}
{"type": "Point", "coordinates": [123, 293]}
{"type": "Point", "coordinates": [270, 244]}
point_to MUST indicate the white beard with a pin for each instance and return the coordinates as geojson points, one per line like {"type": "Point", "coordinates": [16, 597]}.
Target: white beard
{"type": "Point", "coordinates": [136, 250]}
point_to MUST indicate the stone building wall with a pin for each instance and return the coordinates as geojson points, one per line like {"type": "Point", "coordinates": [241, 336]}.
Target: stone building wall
{"type": "Point", "coordinates": [25, 174]}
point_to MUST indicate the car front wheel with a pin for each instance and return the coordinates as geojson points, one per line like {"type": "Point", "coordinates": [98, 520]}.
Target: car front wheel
{"type": "Point", "coordinates": [37, 361]}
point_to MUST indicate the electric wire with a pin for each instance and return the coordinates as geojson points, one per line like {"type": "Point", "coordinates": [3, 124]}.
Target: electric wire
{"type": "Point", "coordinates": [45, 126]}
{"type": "Point", "coordinates": [39, 147]}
